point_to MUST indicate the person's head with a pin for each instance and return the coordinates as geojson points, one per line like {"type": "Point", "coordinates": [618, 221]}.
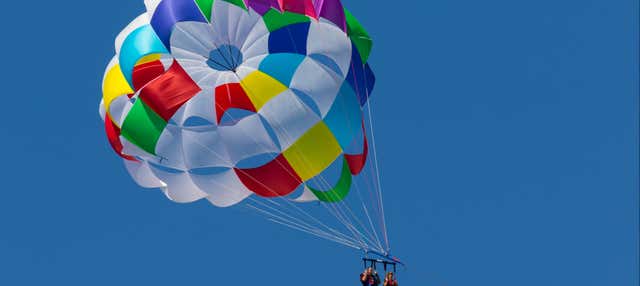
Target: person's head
{"type": "Point", "coordinates": [369, 270]}
{"type": "Point", "coordinates": [390, 275]}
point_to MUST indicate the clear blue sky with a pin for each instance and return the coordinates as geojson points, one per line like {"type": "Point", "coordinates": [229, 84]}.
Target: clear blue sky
{"type": "Point", "coordinates": [507, 133]}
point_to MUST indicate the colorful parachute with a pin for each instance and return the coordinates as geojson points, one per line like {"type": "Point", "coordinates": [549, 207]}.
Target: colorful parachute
{"type": "Point", "coordinates": [231, 99]}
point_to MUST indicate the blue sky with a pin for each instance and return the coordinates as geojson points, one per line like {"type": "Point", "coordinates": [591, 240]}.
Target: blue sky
{"type": "Point", "coordinates": [507, 133]}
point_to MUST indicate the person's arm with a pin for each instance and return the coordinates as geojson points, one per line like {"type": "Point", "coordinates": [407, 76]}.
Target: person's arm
{"type": "Point", "coordinates": [363, 277]}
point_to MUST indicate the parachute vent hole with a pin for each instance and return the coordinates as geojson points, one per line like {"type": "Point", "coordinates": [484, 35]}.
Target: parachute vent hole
{"type": "Point", "coordinates": [225, 58]}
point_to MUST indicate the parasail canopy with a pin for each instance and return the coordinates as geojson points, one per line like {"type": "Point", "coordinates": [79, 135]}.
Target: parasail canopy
{"type": "Point", "coordinates": [254, 102]}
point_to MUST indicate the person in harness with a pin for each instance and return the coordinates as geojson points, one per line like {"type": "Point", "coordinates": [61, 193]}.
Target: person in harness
{"type": "Point", "coordinates": [369, 277]}
{"type": "Point", "coordinates": [389, 280]}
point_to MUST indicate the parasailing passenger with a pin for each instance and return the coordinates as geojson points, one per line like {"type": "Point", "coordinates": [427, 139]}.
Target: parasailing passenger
{"type": "Point", "coordinates": [389, 280]}
{"type": "Point", "coordinates": [369, 277]}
